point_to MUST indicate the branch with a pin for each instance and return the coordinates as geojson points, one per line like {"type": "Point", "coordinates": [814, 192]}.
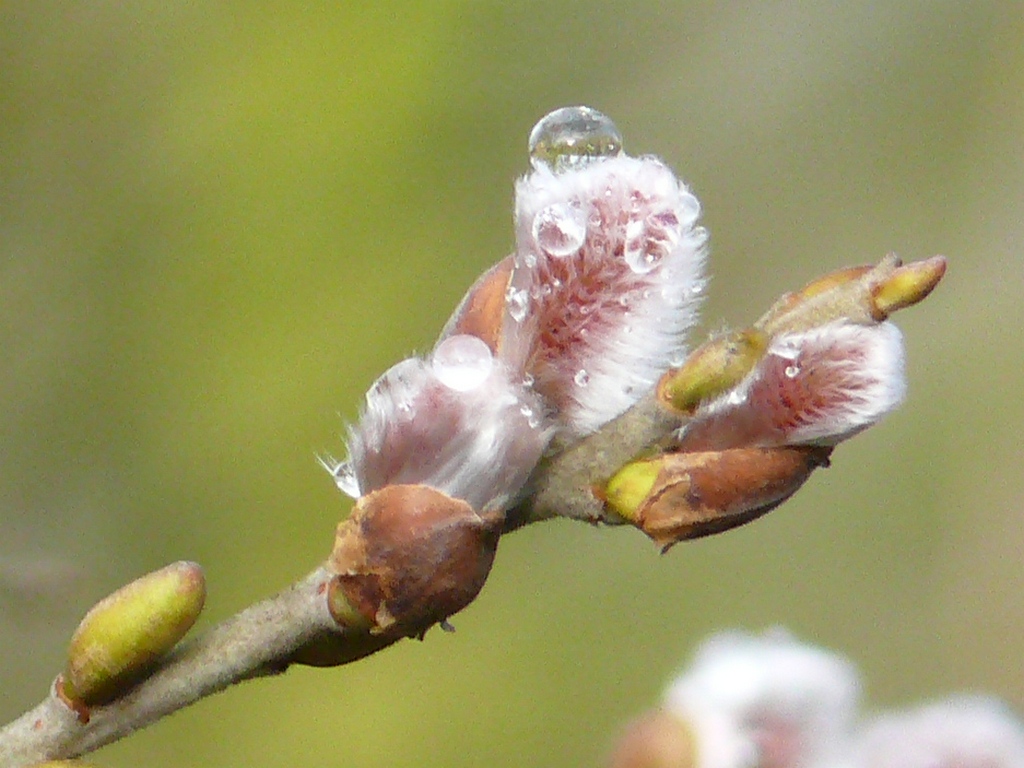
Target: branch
{"type": "Point", "coordinates": [549, 394]}
{"type": "Point", "coordinates": [257, 642]}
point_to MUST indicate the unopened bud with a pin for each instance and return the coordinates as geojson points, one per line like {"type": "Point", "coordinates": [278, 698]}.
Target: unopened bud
{"type": "Point", "coordinates": [865, 295]}
{"type": "Point", "coordinates": [680, 496]}
{"type": "Point", "coordinates": [657, 739]}
{"type": "Point", "coordinates": [482, 310]}
{"type": "Point", "coordinates": [712, 369]}
{"type": "Point", "coordinates": [907, 286]}
{"type": "Point", "coordinates": [123, 634]}
{"type": "Point", "coordinates": [409, 557]}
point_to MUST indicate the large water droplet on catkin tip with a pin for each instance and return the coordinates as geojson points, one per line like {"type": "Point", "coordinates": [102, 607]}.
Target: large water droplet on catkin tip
{"type": "Point", "coordinates": [571, 136]}
{"type": "Point", "coordinates": [462, 362]}
{"type": "Point", "coordinates": [560, 229]}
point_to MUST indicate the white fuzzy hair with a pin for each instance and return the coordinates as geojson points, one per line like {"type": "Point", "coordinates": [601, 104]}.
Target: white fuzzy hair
{"type": "Point", "coordinates": [479, 445]}
{"type": "Point", "coordinates": [620, 328]}
{"type": "Point", "coordinates": [820, 387]}
{"type": "Point", "coordinates": [741, 686]}
{"type": "Point", "coordinates": [958, 732]}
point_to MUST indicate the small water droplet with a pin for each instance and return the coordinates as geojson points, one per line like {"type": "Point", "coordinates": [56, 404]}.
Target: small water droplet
{"type": "Point", "coordinates": [641, 257]}
{"type": "Point", "coordinates": [345, 478]}
{"type": "Point", "coordinates": [559, 229]}
{"type": "Point", "coordinates": [518, 302]}
{"type": "Point", "coordinates": [528, 380]}
{"type": "Point", "coordinates": [582, 378]}
{"type": "Point", "coordinates": [462, 362]}
{"type": "Point", "coordinates": [677, 358]}
{"type": "Point", "coordinates": [787, 349]}
{"type": "Point", "coordinates": [792, 371]}
{"type": "Point", "coordinates": [531, 416]}
{"type": "Point", "coordinates": [688, 207]}
{"type": "Point", "coordinates": [735, 398]}
{"type": "Point", "coordinates": [572, 136]}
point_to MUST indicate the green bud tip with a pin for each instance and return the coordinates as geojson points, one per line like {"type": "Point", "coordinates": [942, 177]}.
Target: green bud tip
{"type": "Point", "coordinates": [908, 285]}
{"type": "Point", "coordinates": [629, 488]}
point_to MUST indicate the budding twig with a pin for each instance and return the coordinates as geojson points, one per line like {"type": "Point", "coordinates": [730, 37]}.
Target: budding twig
{"type": "Point", "coordinates": [541, 399]}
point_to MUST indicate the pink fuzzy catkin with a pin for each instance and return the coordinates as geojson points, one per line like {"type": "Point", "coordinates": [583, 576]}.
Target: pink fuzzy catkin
{"type": "Point", "coordinates": [600, 293]}
{"type": "Point", "coordinates": [457, 422]}
{"type": "Point", "coordinates": [606, 284]}
{"type": "Point", "coordinates": [815, 387]}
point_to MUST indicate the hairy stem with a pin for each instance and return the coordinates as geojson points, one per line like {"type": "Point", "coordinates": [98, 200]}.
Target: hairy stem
{"type": "Point", "coordinates": [564, 484]}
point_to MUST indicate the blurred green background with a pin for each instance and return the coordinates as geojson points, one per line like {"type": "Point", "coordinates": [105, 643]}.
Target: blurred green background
{"type": "Point", "coordinates": [220, 222]}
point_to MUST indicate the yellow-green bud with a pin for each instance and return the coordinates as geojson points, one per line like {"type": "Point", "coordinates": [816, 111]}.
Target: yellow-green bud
{"type": "Point", "coordinates": [127, 631]}
{"type": "Point", "coordinates": [908, 285]}
{"type": "Point", "coordinates": [712, 369]}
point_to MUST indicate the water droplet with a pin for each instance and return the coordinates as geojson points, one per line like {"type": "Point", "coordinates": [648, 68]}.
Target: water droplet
{"type": "Point", "coordinates": [517, 302]}
{"type": "Point", "coordinates": [688, 207]}
{"type": "Point", "coordinates": [560, 229]}
{"type": "Point", "coordinates": [582, 378]}
{"type": "Point", "coordinates": [650, 240]}
{"type": "Point", "coordinates": [532, 419]}
{"type": "Point", "coordinates": [792, 371]}
{"type": "Point", "coordinates": [572, 136]}
{"type": "Point", "coordinates": [462, 362]}
{"type": "Point", "coordinates": [677, 358]}
{"type": "Point", "coordinates": [735, 398]}
{"type": "Point", "coordinates": [528, 380]}
{"type": "Point", "coordinates": [641, 257]}
{"type": "Point", "coordinates": [787, 349]}
{"type": "Point", "coordinates": [345, 478]}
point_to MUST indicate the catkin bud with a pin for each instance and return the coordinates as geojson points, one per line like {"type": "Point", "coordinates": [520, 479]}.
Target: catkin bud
{"type": "Point", "coordinates": [457, 422]}
{"type": "Point", "coordinates": [607, 272]}
{"type": "Point", "coordinates": [123, 634]}
{"type": "Point", "coordinates": [409, 557]}
{"type": "Point", "coordinates": [766, 700]}
{"type": "Point", "coordinates": [819, 387]}
{"type": "Point", "coordinates": [679, 496]}
{"type": "Point", "coordinates": [958, 732]}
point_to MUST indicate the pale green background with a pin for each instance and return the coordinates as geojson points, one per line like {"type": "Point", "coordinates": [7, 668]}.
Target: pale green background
{"type": "Point", "coordinates": [219, 222]}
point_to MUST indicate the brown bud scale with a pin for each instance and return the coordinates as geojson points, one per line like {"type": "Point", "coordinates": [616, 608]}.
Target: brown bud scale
{"type": "Point", "coordinates": [410, 556]}
{"type": "Point", "coordinates": [698, 494]}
